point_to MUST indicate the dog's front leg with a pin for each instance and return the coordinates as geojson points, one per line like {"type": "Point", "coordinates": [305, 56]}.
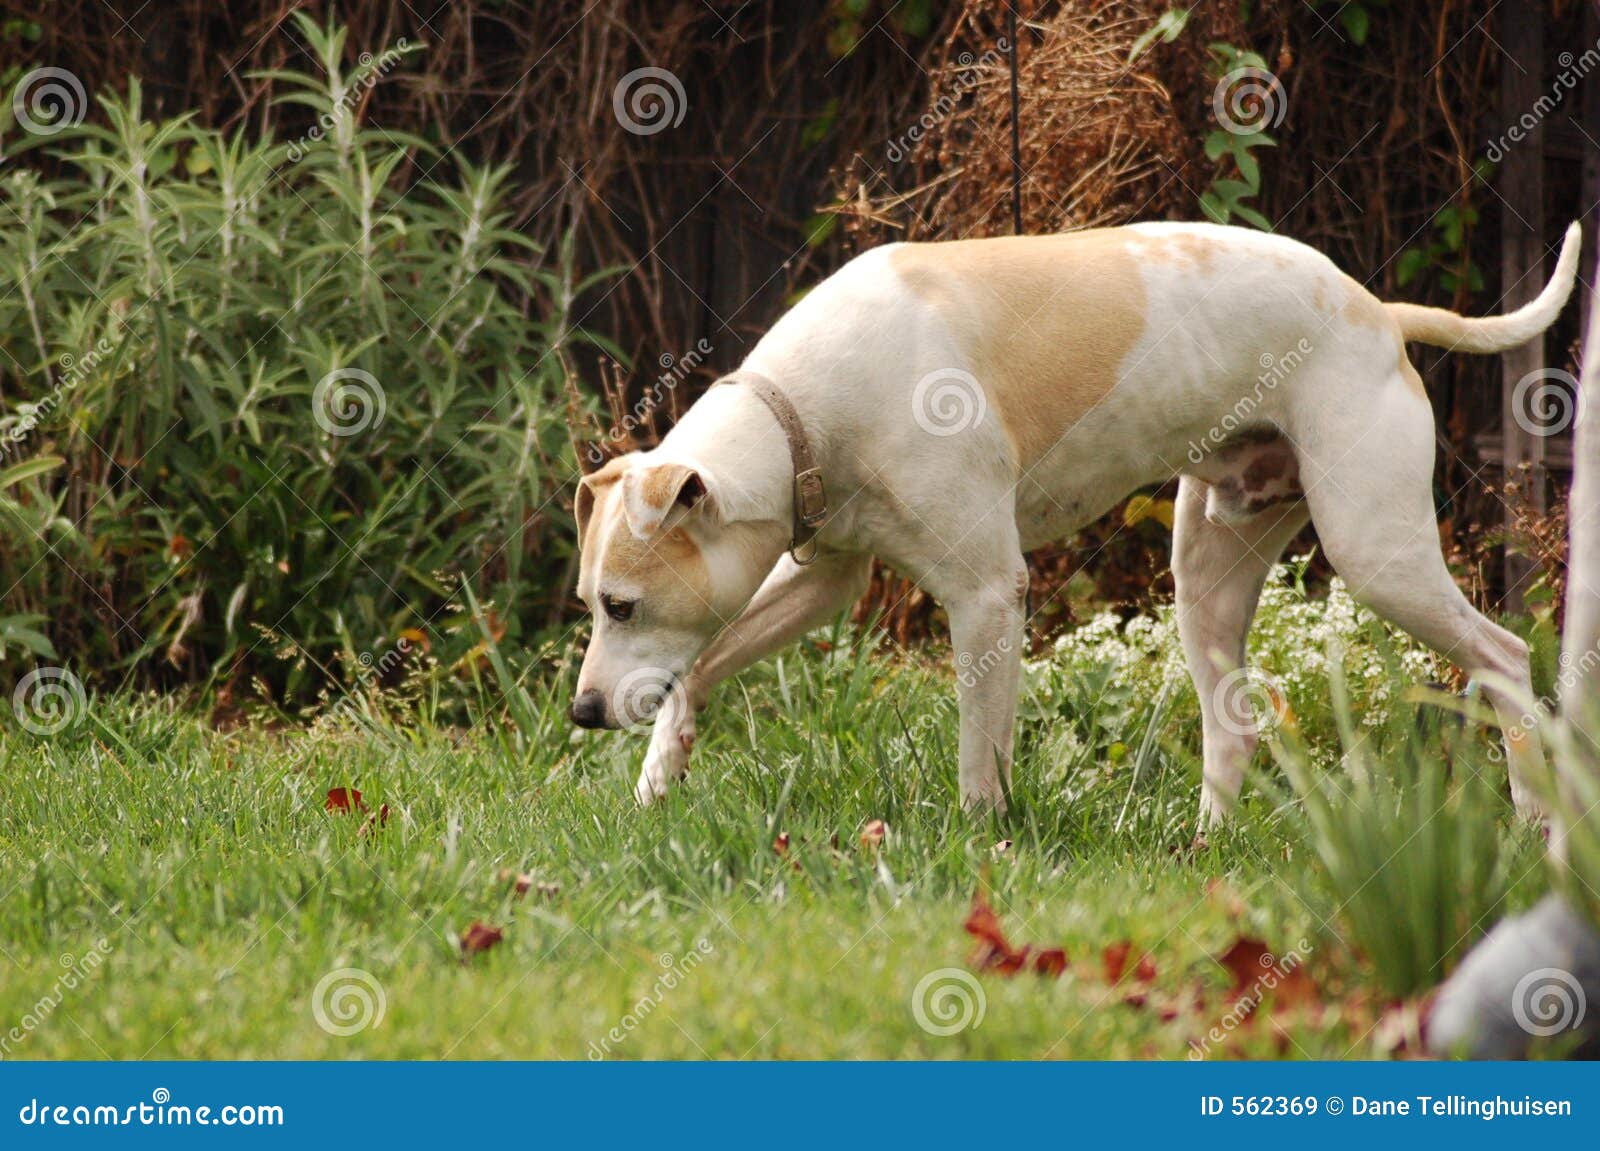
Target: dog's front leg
{"type": "Point", "coordinates": [671, 739]}
{"type": "Point", "coordinates": [986, 629]}
{"type": "Point", "coordinates": [790, 602]}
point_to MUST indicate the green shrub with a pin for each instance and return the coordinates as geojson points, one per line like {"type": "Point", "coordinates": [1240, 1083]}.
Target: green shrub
{"type": "Point", "coordinates": [286, 385]}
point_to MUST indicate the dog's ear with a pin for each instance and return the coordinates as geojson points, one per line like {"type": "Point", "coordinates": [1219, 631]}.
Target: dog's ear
{"type": "Point", "coordinates": [656, 499]}
{"type": "Point", "coordinates": [589, 489]}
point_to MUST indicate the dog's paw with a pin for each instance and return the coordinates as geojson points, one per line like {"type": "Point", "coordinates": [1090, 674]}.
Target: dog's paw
{"type": "Point", "coordinates": [666, 762]}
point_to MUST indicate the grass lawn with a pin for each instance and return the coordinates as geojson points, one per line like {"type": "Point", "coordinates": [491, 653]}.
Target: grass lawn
{"type": "Point", "coordinates": [172, 891]}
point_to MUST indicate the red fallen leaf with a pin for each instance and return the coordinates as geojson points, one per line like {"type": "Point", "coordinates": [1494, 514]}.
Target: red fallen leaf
{"type": "Point", "coordinates": [983, 923]}
{"type": "Point", "coordinates": [1114, 958]}
{"type": "Point", "coordinates": [520, 880]}
{"type": "Point", "coordinates": [994, 951]}
{"type": "Point", "coordinates": [780, 845]}
{"type": "Point", "coordinates": [479, 937]}
{"type": "Point", "coordinates": [1114, 961]}
{"type": "Point", "coordinates": [874, 834]}
{"type": "Point", "coordinates": [1256, 970]}
{"type": "Point", "coordinates": [1050, 961]}
{"type": "Point", "coordinates": [344, 799]}
{"type": "Point", "coordinates": [523, 883]}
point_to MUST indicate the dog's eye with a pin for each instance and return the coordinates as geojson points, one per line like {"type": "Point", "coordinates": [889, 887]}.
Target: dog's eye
{"type": "Point", "coordinates": [618, 609]}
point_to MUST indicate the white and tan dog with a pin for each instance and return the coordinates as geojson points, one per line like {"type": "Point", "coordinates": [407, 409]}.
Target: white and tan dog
{"type": "Point", "coordinates": [967, 401]}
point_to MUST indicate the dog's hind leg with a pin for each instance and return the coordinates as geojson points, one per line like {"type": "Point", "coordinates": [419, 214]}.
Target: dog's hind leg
{"type": "Point", "coordinates": [790, 602]}
{"type": "Point", "coordinates": [1368, 476]}
{"type": "Point", "coordinates": [1218, 569]}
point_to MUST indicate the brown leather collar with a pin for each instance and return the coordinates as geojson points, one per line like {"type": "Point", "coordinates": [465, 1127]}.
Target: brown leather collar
{"type": "Point", "coordinates": [810, 497]}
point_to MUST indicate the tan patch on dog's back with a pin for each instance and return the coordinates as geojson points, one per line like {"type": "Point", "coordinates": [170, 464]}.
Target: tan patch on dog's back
{"type": "Point", "coordinates": [1047, 321]}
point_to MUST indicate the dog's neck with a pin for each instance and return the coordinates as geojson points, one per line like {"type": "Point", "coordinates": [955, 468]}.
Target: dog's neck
{"type": "Point", "coordinates": [734, 438]}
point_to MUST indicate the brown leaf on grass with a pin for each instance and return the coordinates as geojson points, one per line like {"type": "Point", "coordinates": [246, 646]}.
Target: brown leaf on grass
{"type": "Point", "coordinates": [344, 799]}
{"type": "Point", "coordinates": [994, 951]}
{"type": "Point", "coordinates": [520, 880]}
{"type": "Point", "coordinates": [479, 937]}
{"type": "Point", "coordinates": [1051, 961]}
{"type": "Point", "coordinates": [522, 883]}
{"type": "Point", "coordinates": [1259, 973]}
{"type": "Point", "coordinates": [1114, 961]}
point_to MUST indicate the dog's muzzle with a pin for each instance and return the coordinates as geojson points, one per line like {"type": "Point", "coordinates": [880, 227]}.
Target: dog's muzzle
{"type": "Point", "coordinates": [589, 709]}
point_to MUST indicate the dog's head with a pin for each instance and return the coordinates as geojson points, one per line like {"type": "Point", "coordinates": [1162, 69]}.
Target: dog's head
{"type": "Point", "coordinates": [661, 572]}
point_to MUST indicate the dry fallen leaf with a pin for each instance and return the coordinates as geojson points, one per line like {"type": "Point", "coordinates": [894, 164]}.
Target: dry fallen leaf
{"type": "Point", "coordinates": [995, 953]}
{"type": "Point", "coordinates": [1257, 971]}
{"type": "Point", "coordinates": [479, 937]}
{"type": "Point", "coordinates": [1051, 961]}
{"type": "Point", "coordinates": [344, 799]}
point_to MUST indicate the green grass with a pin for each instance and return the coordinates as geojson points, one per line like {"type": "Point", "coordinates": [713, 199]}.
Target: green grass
{"type": "Point", "coordinates": [224, 892]}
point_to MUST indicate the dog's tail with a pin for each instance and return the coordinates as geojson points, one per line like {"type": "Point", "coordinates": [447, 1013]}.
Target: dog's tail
{"type": "Point", "coordinates": [1446, 329]}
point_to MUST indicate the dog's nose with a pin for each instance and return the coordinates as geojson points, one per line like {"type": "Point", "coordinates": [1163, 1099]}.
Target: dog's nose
{"type": "Point", "coordinates": [589, 709]}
